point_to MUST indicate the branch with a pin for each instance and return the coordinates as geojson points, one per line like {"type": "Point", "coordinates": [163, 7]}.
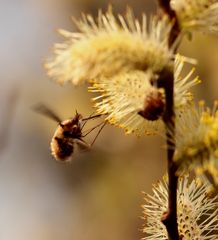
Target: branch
{"type": "Point", "coordinates": [165, 9]}
{"type": "Point", "coordinates": [166, 81]}
{"type": "Point", "coordinates": [169, 218]}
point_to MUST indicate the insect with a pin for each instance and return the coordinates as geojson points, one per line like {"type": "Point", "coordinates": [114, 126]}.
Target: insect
{"type": "Point", "coordinates": [69, 133]}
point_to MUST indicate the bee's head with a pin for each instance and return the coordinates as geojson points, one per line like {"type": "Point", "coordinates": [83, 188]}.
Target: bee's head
{"type": "Point", "coordinates": [71, 127]}
{"type": "Point", "coordinates": [76, 119]}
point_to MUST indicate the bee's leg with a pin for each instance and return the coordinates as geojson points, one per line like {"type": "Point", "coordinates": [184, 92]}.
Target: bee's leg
{"type": "Point", "coordinates": [70, 141]}
{"type": "Point", "coordinates": [86, 120]}
{"type": "Point", "coordinates": [83, 145]}
{"type": "Point", "coordinates": [90, 130]}
{"type": "Point", "coordinates": [92, 117]}
{"type": "Point", "coordinates": [83, 125]}
{"type": "Point", "coordinates": [104, 123]}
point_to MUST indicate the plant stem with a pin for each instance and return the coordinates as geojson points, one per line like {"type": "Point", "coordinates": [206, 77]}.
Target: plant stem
{"type": "Point", "coordinates": [169, 218]}
{"type": "Point", "coordinates": [166, 9]}
{"type": "Point", "coordinates": [166, 81]}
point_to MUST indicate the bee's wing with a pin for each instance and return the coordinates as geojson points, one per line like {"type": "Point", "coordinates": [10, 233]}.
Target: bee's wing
{"type": "Point", "coordinates": [41, 108]}
{"type": "Point", "coordinates": [82, 145]}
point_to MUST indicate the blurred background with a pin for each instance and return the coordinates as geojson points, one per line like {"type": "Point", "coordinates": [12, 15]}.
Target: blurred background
{"type": "Point", "coordinates": [99, 195]}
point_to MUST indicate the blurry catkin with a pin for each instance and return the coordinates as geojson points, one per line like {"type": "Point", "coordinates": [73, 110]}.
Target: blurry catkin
{"type": "Point", "coordinates": [193, 203]}
{"type": "Point", "coordinates": [197, 141]}
{"type": "Point", "coordinates": [109, 46]}
{"type": "Point", "coordinates": [199, 15]}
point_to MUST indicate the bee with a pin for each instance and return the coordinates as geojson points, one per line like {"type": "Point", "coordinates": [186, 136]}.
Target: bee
{"type": "Point", "coordinates": [69, 133]}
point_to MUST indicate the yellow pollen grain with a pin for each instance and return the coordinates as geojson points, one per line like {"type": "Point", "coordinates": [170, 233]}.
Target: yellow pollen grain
{"type": "Point", "coordinates": [216, 153]}
{"type": "Point", "coordinates": [191, 151]}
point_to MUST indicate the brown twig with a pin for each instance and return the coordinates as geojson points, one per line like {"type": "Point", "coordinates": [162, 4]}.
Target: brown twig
{"type": "Point", "coordinates": [166, 81]}
{"type": "Point", "coordinates": [169, 218]}
{"type": "Point", "coordinates": [166, 9]}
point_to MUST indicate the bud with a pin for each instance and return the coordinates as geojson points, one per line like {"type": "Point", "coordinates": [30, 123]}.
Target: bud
{"type": "Point", "coordinates": [153, 105]}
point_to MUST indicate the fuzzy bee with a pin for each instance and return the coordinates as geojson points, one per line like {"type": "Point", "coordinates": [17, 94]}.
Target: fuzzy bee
{"type": "Point", "coordinates": [69, 133]}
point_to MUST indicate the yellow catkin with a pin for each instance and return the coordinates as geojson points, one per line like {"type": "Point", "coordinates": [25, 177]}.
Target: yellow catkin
{"type": "Point", "coordinates": [201, 15]}
{"type": "Point", "coordinates": [110, 45]}
{"type": "Point", "coordinates": [197, 141]}
{"type": "Point", "coordinates": [193, 204]}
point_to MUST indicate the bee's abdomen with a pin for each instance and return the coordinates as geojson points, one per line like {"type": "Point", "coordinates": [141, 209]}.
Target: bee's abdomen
{"type": "Point", "coordinates": [61, 149]}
